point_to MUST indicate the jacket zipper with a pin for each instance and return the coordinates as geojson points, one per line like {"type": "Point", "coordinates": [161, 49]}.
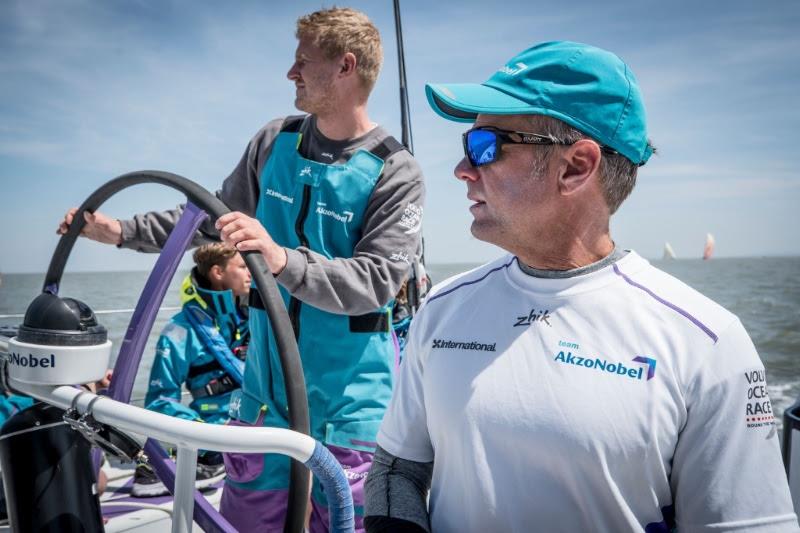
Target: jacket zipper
{"type": "Point", "coordinates": [294, 303]}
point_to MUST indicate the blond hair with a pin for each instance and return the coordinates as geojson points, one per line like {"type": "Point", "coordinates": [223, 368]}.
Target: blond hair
{"type": "Point", "coordinates": [208, 255]}
{"type": "Point", "coordinates": [339, 30]}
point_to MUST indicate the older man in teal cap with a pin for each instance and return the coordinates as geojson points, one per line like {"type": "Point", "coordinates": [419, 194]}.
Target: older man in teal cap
{"type": "Point", "coordinates": [570, 385]}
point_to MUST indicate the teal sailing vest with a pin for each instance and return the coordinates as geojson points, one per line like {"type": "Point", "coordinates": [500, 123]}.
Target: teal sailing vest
{"type": "Point", "coordinates": [348, 361]}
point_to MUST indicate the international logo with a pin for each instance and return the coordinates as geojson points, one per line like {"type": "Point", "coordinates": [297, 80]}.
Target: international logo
{"type": "Point", "coordinates": [534, 316]}
{"type": "Point", "coordinates": [279, 196]}
{"type": "Point", "coordinates": [344, 216]}
{"type": "Point", "coordinates": [31, 361]}
{"type": "Point", "coordinates": [624, 370]}
{"type": "Point", "coordinates": [445, 344]}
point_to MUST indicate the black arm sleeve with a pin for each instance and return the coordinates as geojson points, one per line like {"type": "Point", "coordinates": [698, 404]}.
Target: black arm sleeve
{"type": "Point", "coordinates": [396, 493]}
{"type": "Point", "coordinates": [386, 524]}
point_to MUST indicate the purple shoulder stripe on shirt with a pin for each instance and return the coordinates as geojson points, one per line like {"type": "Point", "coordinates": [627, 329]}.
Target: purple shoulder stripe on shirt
{"type": "Point", "coordinates": [671, 305]}
{"type": "Point", "coordinates": [445, 293]}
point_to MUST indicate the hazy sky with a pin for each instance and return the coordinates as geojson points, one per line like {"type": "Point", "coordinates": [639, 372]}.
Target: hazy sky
{"type": "Point", "coordinates": [91, 90]}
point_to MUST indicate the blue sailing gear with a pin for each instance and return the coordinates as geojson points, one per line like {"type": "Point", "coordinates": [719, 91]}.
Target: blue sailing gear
{"type": "Point", "coordinates": [192, 349]}
{"type": "Point", "coordinates": [205, 328]}
{"type": "Point", "coordinates": [11, 405]}
{"type": "Point", "coordinates": [348, 361]}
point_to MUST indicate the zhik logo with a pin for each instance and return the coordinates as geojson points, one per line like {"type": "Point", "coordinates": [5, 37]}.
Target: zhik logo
{"type": "Point", "coordinates": [400, 256]}
{"type": "Point", "coordinates": [534, 316]}
{"type": "Point", "coordinates": [305, 172]}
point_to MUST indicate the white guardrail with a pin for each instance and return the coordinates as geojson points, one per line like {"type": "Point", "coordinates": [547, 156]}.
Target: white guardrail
{"type": "Point", "coordinates": [188, 436]}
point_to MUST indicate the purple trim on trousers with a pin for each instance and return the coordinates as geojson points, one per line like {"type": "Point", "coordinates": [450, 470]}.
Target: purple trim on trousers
{"type": "Point", "coordinates": [672, 306]}
{"type": "Point", "coordinates": [445, 293]}
{"type": "Point", "coordinates": [265, 510]}
{"type": "Point", "coordinates": [244, 467]}
{"type": "Point", "coordinates": [254, 510]}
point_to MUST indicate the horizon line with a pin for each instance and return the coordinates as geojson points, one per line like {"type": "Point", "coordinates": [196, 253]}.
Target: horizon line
{"type": "Point", "coordinates": [699, 258]}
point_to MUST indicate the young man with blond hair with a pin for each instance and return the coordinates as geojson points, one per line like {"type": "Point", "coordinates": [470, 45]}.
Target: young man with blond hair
{"type": "Point", "coordinates": [334, 204]}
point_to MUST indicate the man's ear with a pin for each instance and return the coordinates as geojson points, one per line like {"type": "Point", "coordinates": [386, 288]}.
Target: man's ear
{"type": "Point", "coordinates": [347, 66]}
{"type": "Point", "coordinates": [582, 161]}
{"type": "Point", "coordinates": [215, 274]}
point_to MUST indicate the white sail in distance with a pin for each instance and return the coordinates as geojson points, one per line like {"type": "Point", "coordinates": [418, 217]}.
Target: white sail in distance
{"type": "Point", "coordinates": [708, 249]}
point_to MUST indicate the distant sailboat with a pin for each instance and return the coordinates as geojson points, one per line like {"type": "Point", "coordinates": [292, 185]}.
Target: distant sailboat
{"type": "Point", "coordinates": [669, 253]}
{"type": "Point", "coordinates": [708, 250]}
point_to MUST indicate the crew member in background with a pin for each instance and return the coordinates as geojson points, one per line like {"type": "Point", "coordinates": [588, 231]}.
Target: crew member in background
{"type": "Point", "coordinates": [203, 347]}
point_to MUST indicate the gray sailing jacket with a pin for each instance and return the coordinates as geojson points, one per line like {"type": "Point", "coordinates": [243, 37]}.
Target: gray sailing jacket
{"type": "Point", "coordinates": [382, 257]}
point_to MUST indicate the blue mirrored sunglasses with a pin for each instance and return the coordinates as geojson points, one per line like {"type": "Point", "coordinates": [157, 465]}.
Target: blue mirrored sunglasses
{"type": "Point", "coordinates": [482, 145]}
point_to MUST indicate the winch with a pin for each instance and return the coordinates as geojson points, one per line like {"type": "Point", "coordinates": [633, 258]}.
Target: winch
{"type": "Point", "coordinates": [59, 342]}
{"type": "Point", "coordinates": [47, 467]}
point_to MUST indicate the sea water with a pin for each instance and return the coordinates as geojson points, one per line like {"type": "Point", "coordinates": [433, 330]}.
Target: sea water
{"type": "Point", "coordinates": [763, 292]}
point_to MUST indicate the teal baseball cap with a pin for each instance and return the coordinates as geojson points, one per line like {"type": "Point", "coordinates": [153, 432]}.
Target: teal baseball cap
{"type": "Point", "coordinates": [587, 87]}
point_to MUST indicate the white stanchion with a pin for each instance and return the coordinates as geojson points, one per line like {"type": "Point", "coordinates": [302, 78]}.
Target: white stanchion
{"type": "Point", "coordinates": [183, 503]}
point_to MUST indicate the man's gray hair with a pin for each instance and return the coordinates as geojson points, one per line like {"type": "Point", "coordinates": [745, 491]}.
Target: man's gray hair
{"type": "Point", "coordinates": [617, 172]}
